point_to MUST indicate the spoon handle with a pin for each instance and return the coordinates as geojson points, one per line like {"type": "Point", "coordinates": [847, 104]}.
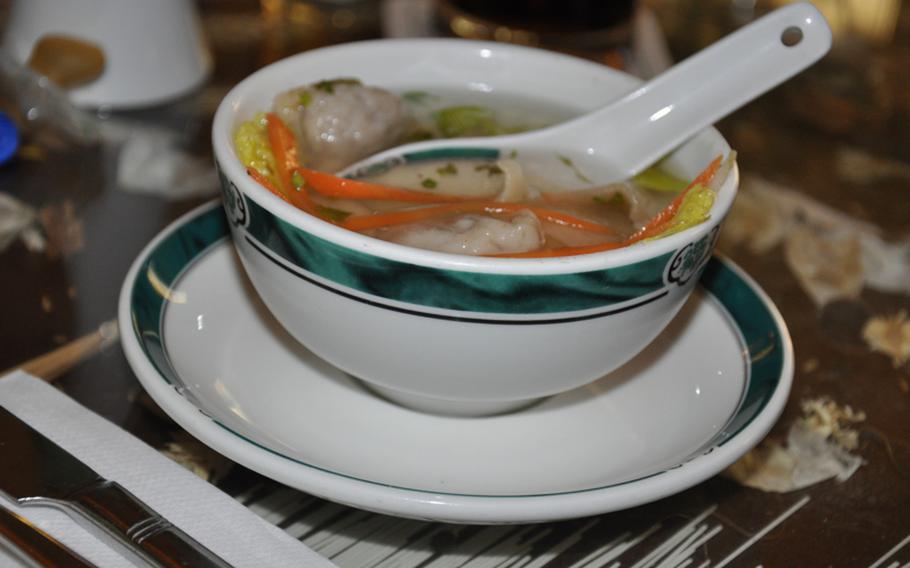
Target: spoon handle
{"type": "Point", "coordinates": [695, 93]}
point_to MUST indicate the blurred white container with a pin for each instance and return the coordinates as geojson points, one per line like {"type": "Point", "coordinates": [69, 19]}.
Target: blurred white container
{"type": "Point", "coordinates": [154, 49]}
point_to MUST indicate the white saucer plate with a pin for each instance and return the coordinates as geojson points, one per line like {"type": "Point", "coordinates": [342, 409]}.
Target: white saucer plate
{"type": "Point", "coordinates": [209, 353]}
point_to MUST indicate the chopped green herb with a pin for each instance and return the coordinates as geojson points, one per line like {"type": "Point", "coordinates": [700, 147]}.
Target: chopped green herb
{"type": "Point", "coordinates": [332, 214]}
{"type": "Point", "coordinates": [297, 180]}
{"type": "Point", "coordinates": [429, 183]}
{"type": "Point", "coordinates": [447, 170]}
{"type": "Point", "coordinates": [575, 169]}
{"type": "Point", "coordinates": [491, 169]}
{"type": "Point", "coordinates": [305, 98]}
{"type": "Point", "coordinates": [328, 85]}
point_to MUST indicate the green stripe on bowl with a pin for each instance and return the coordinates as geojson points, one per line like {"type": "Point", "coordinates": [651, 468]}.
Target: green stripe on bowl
{"type": "Point", "coordinates": [449, 289]}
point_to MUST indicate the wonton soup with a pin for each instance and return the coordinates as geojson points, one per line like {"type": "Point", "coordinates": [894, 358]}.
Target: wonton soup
{"type": "Point", "coordinates": [461, 206]}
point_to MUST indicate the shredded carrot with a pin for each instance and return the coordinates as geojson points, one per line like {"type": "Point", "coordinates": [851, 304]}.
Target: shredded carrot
{"type": "Point", "coordinates": [376, 220]}
{"type": "Point", "coordinates": [705, 177]}
{"type": "Point", "coordinates": [567, 220]}
{"type": "Point", "coordinates": [660, 221]}
{"type": "Point", "coordinates": [284, 146]}
{"type": "Point", "coordinates": [339, 187]}
{"type": "Point", "coordinates": [300, 199]}
{"type": "Point", "coordinates": [264, 182]}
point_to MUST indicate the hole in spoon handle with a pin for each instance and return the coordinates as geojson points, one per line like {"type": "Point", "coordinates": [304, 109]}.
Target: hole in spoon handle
{"type": "Point", "coordinates": [791, 36]}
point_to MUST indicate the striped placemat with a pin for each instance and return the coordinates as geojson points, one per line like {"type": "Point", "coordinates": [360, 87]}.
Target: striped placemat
{"type": "Point", "coordinates": [681, 531]}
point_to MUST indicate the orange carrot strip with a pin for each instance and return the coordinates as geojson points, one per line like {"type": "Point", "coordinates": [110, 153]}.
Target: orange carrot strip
{"type": "Point", "coordinates": [300, 199]}
{"type": "Point", "coordinates": [264, 182]}
{"type": "Point", "coordinates": [705, 177]}
{"type": "Point", "coordinates": [294, 197]}
{"type": "Point", "coordinates": [664, 216]}
{"type": "Point", "coordinates": [339, 187]}
{"type": "Point", "coordinates": [366, 222]}
{"type": "Point", "coordinates": [281, 139]}
{"type": "Point", "coordinates": [284, 146]}
{"type": "Point", "coordinates": [567, 220]}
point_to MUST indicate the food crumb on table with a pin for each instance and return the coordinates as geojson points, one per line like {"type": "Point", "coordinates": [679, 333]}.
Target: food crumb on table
{"type": "Point", "coordinates": [889, 334]}
{"type": "Point", "coordinates": [817, 448]}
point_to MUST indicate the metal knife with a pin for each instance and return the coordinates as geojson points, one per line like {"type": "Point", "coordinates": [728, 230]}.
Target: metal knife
{"type": "Point", "coordinates": [36, 471]}
{"type": "Point", "coordinates": [37, 545]}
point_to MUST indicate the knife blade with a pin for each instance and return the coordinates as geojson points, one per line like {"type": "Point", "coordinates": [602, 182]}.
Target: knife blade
{"type": "Point", "coordinates": [38, 472]}
{"type": "Point", "coordinates": [36, 544]}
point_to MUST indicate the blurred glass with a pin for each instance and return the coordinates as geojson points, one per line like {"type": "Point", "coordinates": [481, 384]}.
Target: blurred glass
{"type": "Point", "coordinates": [292, 26]}
{"type": "Point", "coordinates": [594, 29]}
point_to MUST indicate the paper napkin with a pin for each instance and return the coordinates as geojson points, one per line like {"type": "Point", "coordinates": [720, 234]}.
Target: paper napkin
{"type": "Point", "coordinates": [201, 510]}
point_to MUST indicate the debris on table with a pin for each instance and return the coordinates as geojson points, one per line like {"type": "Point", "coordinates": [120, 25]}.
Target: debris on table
{"type": "Point", "coordinates": [810, 365]}
{"type": "Point", "coordinates": [886, 265]}
{"type": "Point", "coordinates": [832, 254]}
{"type": "Point", "coordinates": [18, 221]}
{"type": "Point", "coordinates": [32, 152]}
{"type": "Point", "coordinates": [754, 220]}
{"type": "Point", "coordinates": [150, 161]}
{"type": "Point", "coordinates": [860, 167]}
{"type": "Point", "coordinates": [63, 228]}
{"type": "Point", "coordinates": [827, 265]}
{"type": "Point", "coordinates": [824, 416]}
{"type": "Point", "coordinates": [196, 457]}
{"type": "Point", "coordinates": [889, 334]}
{"type": "Point", "coordinates": [818, 447]}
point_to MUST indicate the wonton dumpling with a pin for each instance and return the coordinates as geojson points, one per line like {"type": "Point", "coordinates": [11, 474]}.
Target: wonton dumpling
{"type": "Point", "coordinates": [339, 122]}
{"type": "Point", "coordinates": [472, 234]}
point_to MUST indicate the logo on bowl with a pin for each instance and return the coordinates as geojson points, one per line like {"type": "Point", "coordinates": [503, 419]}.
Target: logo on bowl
{"type": "Point", "coordinates": [235, 205]}
{"type": "Point", "coordinates": [689, 260]}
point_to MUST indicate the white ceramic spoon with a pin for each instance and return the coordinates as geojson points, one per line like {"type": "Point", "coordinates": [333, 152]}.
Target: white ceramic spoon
{"type": "Point", "coordinates": [628, 135]}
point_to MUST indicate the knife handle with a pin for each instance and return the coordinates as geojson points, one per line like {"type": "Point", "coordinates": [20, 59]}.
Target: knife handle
{"type": "Point", "coordinates": [36, 544]}
{"type": "Point", "coordinates": [121, 516]}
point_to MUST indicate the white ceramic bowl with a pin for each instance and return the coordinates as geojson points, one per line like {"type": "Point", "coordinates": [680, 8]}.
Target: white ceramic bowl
{"type": "Point", "coordinates": [450, 333]}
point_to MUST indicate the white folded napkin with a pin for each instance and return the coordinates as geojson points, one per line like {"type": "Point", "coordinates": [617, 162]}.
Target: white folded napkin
{"type": "Point", "coordinates": [201, 510]}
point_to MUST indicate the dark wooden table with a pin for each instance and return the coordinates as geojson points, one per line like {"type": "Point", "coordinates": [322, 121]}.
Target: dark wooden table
{"type": "Point", "coordinates": [854, 105]}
